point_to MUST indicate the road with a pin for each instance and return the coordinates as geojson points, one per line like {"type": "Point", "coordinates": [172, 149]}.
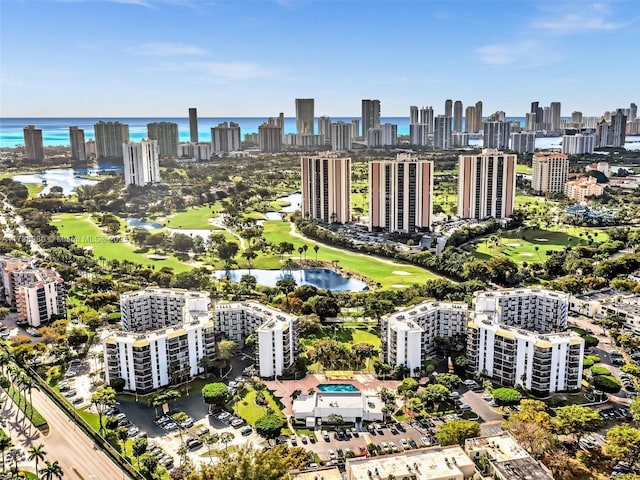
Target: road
{"type": "Point", "coordinates": [71, 447]}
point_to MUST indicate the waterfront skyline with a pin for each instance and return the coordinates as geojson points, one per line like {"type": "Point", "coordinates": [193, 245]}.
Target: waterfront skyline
{"type": "Point", "coordinates": [242, 58]}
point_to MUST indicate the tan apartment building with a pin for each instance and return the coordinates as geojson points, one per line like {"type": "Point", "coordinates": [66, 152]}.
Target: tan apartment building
{"type": "Point", "coordinates": [401, 194]}
{"type": "Point", "coordinates": [550, 172]}
{"type": "Point", "coordinates": [326, 187]}
{"type": "Point", "coordinates": [486, 184]}
{"type": "Point", "coordinates": [580, 189]}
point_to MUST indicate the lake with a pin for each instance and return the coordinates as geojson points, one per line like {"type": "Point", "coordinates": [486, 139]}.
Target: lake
{"type": "Point", "coordinates": [318, 277]}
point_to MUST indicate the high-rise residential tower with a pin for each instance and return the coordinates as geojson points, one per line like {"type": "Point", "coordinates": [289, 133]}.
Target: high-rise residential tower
{"type": "Point", "coordinates": [304, 116]}
{"type": "Point", "coordinates": [486, 185]}
{"type": "Point", "coordinates": [33, 145]}
{"type": "Point", "coordinates": [457, 116]}
{"type": "Point", "coordinates": [550, 172]}
{"type": "Point", "coordinates": [166, 134]}
{"type": "Point", "coordinates": [341, 136]}
{"type": "Point", "coordinates": [109, 139]}
{"type": "Point", "coordinates": [523, 142]}
{"type": "Point", "coordinates": [193, 125]}
{"type": "Point", "coordinates": [78, 149]}
{"type": "Point", "coordinates": [478, 126]}
{"type": "Point", "coordinates": [442, 133]}
{"type": "Point", "coordinates": [225, 138]}
{"type": "Point", "coordinates": [370, 115]}
{"type": "Point", "coordinates": [401, 194]}
{"type": "Point", "coordinates": [496, 135]}
{"type": "Point", "coordinates": [324, 128]}
{"type": "Point", "coordinates": [554, 111]}
{"type": "Point", "coordinates": [448, 108]}
{"type": "Point", "coordinates": [141, 165]}
{"type": "Point", "coordinates": [326, 187]}
{"type": "Point", "coordinates": [470, 119]}
{"type": "Point", "coordinates": [270, 136]}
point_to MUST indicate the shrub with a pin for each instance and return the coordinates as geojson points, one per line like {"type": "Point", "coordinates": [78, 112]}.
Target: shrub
{"type": "Point", "coordinates": [587, 362]}
{"type": "Point", "coordinates": [600, 370]}
{"type": "Point", "coordinates": [607, 383]}
{"type": "Point", "coordinates": [506, 396]}
{"type": "Point", "coordinates": [590, 341]}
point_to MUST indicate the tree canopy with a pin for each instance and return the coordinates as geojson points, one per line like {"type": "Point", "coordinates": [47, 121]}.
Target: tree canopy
{"type": "Point", "coordinates": [269, 426]}
{"type": "Point", "coordinates": [457, 431]}
{"type": "Point", "coordinates": [215, 393]}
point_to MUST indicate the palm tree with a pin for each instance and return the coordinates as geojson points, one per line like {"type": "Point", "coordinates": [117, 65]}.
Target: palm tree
{"type": "Point", "coordinates": [5, 444]}
{"type": "Point", "coordinates": [27, 384]}
{"type": "Point", "coordinates": [305, 247]}
{"type": "Point", "coordinates": [15, 455]}
{"type": "Point", "coordinates": [37, 453]}
{"type": "Point", "coordinates": [316, 247]}
{"type": "Point", "coordinates": [52, 470]}
{"type": "Point", "coordinates": [226, 437]}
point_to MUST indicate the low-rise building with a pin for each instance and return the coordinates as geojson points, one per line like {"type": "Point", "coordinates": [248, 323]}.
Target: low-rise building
{"type": "Point", "coordinates": [324, 473]}
{"type": "Point", "coordinates": [353, 406]}
{"type": "Point", "coordinates": [436, 463]}
{"type": "Point", "coordinates": [581, 189]}
{"type": "Point", "coordinates": [409, 336]}
{"type": "Point", "coordinates": [609, 303]}
{"type": "Point", "coordinates": [507, 460]}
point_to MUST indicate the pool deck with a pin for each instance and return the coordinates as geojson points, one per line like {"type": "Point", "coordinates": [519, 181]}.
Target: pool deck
{"type": "Point", "coordinates": [364, 382]}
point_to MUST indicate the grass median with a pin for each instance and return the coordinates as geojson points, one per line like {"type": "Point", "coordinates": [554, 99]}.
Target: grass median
{"type": "Point", "coordinates": [25, 406]}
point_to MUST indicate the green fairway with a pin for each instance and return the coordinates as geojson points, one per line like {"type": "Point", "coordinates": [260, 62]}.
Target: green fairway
{"type": "Point", "coordinates": [88, 234]}
{"type": "Point", "coordinates": [386, 272]}
{"type": "Point", "coordinates": [523, 169]}
{"type": "Point", "coordinates": [194, 218]}
{"type": "Point", "coordinates": [532, 245]}
{"type": "Point", "coordinates": [34, 189]}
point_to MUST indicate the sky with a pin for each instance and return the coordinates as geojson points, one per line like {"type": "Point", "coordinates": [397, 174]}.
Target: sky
{"type": "Point", "coordinates": [157, 58]}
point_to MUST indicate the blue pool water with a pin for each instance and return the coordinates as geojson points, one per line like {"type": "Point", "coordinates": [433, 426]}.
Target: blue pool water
{"type": "Point", "coordinates": [336, 387]}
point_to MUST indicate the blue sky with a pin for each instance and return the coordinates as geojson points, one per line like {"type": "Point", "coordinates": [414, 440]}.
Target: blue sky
{"type": "Point", "coordinates": [253, 57]}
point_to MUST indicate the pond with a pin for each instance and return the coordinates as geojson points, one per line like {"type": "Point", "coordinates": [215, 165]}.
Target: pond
{"type": "Point", "coordinates": [68, 178]}
{"type": "Point", "coordinates": [318, 277]}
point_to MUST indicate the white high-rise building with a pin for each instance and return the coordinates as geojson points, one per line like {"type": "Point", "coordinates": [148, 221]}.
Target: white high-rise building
{"type": "Point", "coordinates": [496, 135]}
{"type": "Point", "coordinates": [198, 152]}
{"type": "Point", "coordinates": [486, 185]}
{"type": "Point", "coordinates": [442, 133]}
{"type": "Point", "coordinates": [141, 163]}
{"type": "Point", "coordinates": [341, 136]}
{"type": "Point", "coordinates": [578, 144]}
{"type": "Point", "coordinates": [408, 336]}
{"type": "Point", "coordinates": [109, 139]}
{"type": "Point", "coordinates": [524, 142]}
{"type": "Point", "coordinates": [324, 128]}
{"type": "Point", "coordinates": [419, 134]}
{"type": "Point", "coordinates": [459, 140]}
{"type": "Point", "coordinates": [326, 187]}
{"type": "Point", "coordinates": [550, 172]}
{"type": "Point", "coordinates": [225, 138]}
{"type": "Point", "coordinates": [401, 194]}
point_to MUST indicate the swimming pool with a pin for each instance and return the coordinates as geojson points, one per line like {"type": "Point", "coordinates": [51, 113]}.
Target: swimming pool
{"type": "Point", "coordinates": [336, 387]}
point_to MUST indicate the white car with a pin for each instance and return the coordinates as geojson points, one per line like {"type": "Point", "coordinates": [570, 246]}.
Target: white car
{"type": "Point", "coordinates": [332, 454]}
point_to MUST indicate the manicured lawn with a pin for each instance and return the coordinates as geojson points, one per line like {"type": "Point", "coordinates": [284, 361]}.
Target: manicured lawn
{"type": "Point", "coordinates": [90, 235]}
{"type": "Point", "coordinates": [250, 411]}
{"type": "Point", "coordinates": [387, 273]}
{"type": "Point", "coordinates": [91, 418]}
{"type": "Point", "coordinates": [534, 246]}
{"type": "Point", "coordinates": [34, 189]}
{"type": "Point", "coordinates": [347, 336]}
{"type": "Point", "coordinates": [523, 169]}
{"type": "Point", "coordinates": [194, 218]}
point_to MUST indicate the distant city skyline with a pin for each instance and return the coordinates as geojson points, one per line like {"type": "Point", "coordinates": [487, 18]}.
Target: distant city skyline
{"type": "Point", "coordinates": [157, 58]}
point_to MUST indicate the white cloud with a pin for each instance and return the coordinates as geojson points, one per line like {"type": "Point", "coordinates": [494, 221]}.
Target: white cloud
{"type": "Point", "coordinates": [221, 70]}
{"type": "Point", "coordinates": [527, 54]}
{"type": "Point", "coordinates": [580, 18]}
{"type": "Point", "coordinates": [165, 49]}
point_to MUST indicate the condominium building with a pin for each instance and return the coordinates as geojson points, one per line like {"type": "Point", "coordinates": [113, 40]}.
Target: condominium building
{"type": "Point", "coordinates": [486, 185]}
{"type": "Point", "coordinates": [109, 139]}
{"type": "Point", "coordinates": [324, 128]}
{"type": "Point", "coordinates": [33, 144]}
{"type": "Point", "coordinates": [303, 140]}
{"type": "Point", "coordinates": [408, 336]}
{"type": "Point", "coordinates": [304, 116]}
{"type": "Point", "coordinates": [550, 172]}
{"type": "Point", "coordinates": [442, 133]}
{"type": "Point", "coordinates": [435, 463]}
{"type": "Point", "coordinates": [90, 148]}
{"type": "Point", "coordinates": [457, 116]}
{"type": "Point", "coordinates": [166, 134]}
{"type": "Point", "coordinates": [542, 363]}
{"type": "Point", "coordinates": [554, 113]}
{"type": "Point", "coordinates": [355, 131]}
{"type": "Point", "coordinates": [470, 119]}
{"type": "Point", "coordinates": [193, 125]}
{"type": "Point", "coordinates": [270, 136]}
{"type": "Point", "coordinates": [386, 135]}
{"type": "Point", "coordinates": [459, 140]}
{"type": "Point", "coordinates": [419, 134]}
{"type": "Point", "coordinates": [199, 152]}
{"type": "Point", "coordinates": [478, 126]}
{"type": "Point", "coordinates": [78, 149]}
{"type": "Point", "coordinates": [582, 188]}
{"type": "Point", "coordinates": [524, 142]}
{"type": "Point", "coordinates": [225, 137]}
{"type": "Point", "coordinates": [170, 356]}
{"type": "Point", "coordinates": [341, 136]}
{"type": "Point", "coordinates": [448, 108]}
{"type": "Point", "coordinates": [496, 135]}
{"type": "Point", "coordinates": [157, 308]}
{"type": "Point", "coordinates": [370, 115]}
{"type": "Point", "coordinates": [506, 459]}
{"type": "Point", "coordinates": [534, 309]}
{"type": "Point", "coordinates": [612, 133]}
{"type": "Point", "coordinates": [141, 163]}
{"type": "Point", "coordinates": [36, 293]}
{"type": "Point", "coordinates": [578, 144]}
{"type": "Point", "coordinates": [401, 194]}
{"type": "Point", "coordinates": [603, 167]}
{"type": "Point", "coordinates": [276, 333]}
{"type": "Point", "coordinates": [326, 187]}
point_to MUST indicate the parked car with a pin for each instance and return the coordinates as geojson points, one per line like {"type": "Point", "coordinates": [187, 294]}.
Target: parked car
{"type": "Point", "coordinates": [332, 454]}
{"type": "Point", "coordinates": [193, 443]}
{"type": "Point", "coordinates": [405, 444]}
{"type": "Point", "coordinates": [294, 441]}
{"type": "Point", "coordinates": [413, 443]}
{"type": "Point", "coordinates": [426, 441]}
{"type": "Point", "coordinates": [393, 446]}
{"type": "Point", "coordinates": [354, 432]}
{"type": "Point", "coordinates": [325, 435]}
{"type": "Point", "coordinates": [238, 422]}
{"type": "Point", "coordinates": [246, 430]}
